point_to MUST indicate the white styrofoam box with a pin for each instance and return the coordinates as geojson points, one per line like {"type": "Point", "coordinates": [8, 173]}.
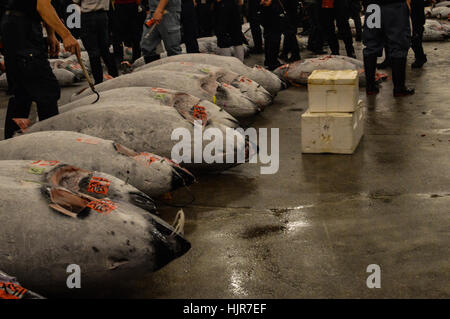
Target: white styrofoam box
{"type": "Point", "coordinates": [337, 133]}
{"type": "Point", "coordinates": [333, 91]}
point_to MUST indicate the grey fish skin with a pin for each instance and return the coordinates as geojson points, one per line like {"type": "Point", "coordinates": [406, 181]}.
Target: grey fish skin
{"type": "Point", "coordinates": [148, 172]}
{"type": "Point", "coordinates": [202, 86]}
{"type": "Point", "coordinates": [254, 91]}
{"type": "Point", "coordinates": [158, 96]}
{"type": "Point", "coordinates": [5, 280]}
{"type": "Point", "coordinates": [134, 125]}
{"type": "Point", "coordinates": [40, 243]}
{"type": "Point", "coordinates": [258, 74]}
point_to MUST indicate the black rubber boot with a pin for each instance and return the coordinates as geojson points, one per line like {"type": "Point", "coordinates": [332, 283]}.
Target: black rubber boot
{"type": "Point", "coordinates": [370, 67]}
{"type": "Point", "coordinates": [399, 78]}
{"type": "Point", "coordinates": [419, 62]}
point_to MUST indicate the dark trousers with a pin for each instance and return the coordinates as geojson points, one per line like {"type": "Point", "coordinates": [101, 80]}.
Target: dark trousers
{"type": "Point", "coordinates": [254, 10]}
{"type": "Point", "coordinates": [228, 24]}
{"type": "Point", "coordinates": [190, 26]}
{"type": "Point", "coordinates": [315, 40]}
{"type": "Point", "coordinates": [418, 21]}
{"type": "Point", "coordinates": [339, 14]}
{"type": "Point", "coordinates": [394, 34]}
{"type": "Point", "coordinates": [126, 29]}
{"type": "Point", "coordinates": [272, 35]}
{"type": "Point", "coordinates": [94, 33]}
{"type": "Point", "coordinates": [290, 43]}
{"type": "Point", "coordinates": [29, 71]}
{"type": "Point", "coordinates": [205, 15]}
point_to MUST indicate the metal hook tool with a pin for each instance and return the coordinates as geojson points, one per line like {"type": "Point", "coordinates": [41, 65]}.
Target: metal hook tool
{"type": "Point", "coordinates": [88, 78]}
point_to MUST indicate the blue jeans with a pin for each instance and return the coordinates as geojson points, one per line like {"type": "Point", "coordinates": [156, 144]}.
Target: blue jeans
{"type": "Point", "coordinates": [169, 31]}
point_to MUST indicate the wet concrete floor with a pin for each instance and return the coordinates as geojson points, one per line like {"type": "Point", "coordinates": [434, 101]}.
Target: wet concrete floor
{"type": "Point", "coordinates": [312, 229]}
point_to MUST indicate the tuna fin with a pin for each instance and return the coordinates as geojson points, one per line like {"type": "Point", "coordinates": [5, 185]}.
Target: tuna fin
{"type": "Point", "coordinates": [125, 150]}
{"type": "Point", "coordinates": [63, 210]}
{"type": "Point", "coordinates": [178, 224]}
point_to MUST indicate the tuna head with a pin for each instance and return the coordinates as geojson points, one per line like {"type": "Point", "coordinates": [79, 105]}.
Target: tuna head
{"type": "Point", "coordinates": [234, 102]}
{"type": "Point", "coordinates": [180, 177]}
{"type": "Point", "coordinates": [72, 189]}
{"type": "Point", "coordinates": [267, 79]}
{"type": "Point", "coordinates": [255, 91]}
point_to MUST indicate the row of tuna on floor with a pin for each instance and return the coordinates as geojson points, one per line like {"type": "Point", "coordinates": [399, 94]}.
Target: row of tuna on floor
{"type": "Point", "coordinates": [79, 188]}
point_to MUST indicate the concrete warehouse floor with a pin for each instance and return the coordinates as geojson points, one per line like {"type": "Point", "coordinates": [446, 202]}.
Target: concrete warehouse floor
{"type": "Point", "coordinates": [311, 230]}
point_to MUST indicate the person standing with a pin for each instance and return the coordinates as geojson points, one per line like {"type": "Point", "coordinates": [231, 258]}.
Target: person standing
{"type": "Point", "coordinates": [290, 43]}
{"type": "Point", "coordinates": [395, 31]}
{"type": "Point", "coordinates": [418, 22]}
{"type": "Point", "coordinates": [126, 19]}
{"type": "Point", "coordinates": [204, 14]}
{"type": "Point", "coordinates": [95, 37]}
{"type": "Point", "coordinates": [336, 10]}
{"type": "Point", "coordinates": [254, 17]}
{"type": "Point", "coordinates": [167, 16]}
{"type": "Point", "coordinates": [273, 14]}
{"type": "Point", "coordinates": [189, 24]}
{"type": "Point", "coordinates": [26, 55]}
{"type": "Point", "coordinates": [315, 39]}
{"type": "Point", "coordinates": [228, 28]}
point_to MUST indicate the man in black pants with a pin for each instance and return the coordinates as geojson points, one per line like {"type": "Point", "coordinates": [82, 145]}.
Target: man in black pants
{"type": "Point", "coordinates": [228, 28]}
{"type": "Point", "coordinates": [125, 14]}
{"type": "Point", "coordinates": [189, 24]}
{"type": "Point", "coordinates": [337, 11]}
{"type": "Point", "coordinates": [254, 17]}
{"type": "Point", "coordinates": [393, 30]}
{"type": "Point", "coordinates": [94, 33]}
{"type": "Point", "coordinates": [204, 14]}
{"type": "Point", "coordinates": [27, 58]}
{"type": "Point", "coordinates": [315, 39]}
{"type": "Point", "coordinates": [272, 16]}
{"type": "Point", "coordinates": [290, 43]}
{"type": "Point", "coordinates": [418, 21]}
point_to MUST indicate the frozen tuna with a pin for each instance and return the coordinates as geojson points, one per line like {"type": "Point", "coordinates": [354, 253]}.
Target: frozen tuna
{"type": "Point", "coordinates": [253, 90]}
{"type": "Point", "coordinates": [144, 128]}
{"type": "Point", "coordinates": [202, 86]}
{"type": "Point", "coordinates": [258, 74]}
{"type": "Point", "coordinates": [150, 173]}
{"type": "Point", "coordinates": [51, 220]}
{"type": "Point", "coordinates": [182, 102]}
{"type": "Point", "coordinates": [298, 72]}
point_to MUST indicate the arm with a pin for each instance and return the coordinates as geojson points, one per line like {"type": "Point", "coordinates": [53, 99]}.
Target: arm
{"type": "Point", "coordinates": [53, 43]}
{"type": "Point", "coordinates": [158, 15]}
{"type": "Point", "coordinates": [54, 24]}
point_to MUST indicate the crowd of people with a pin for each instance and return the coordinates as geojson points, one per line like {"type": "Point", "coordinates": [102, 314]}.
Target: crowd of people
{"type": "Point", "coordinates": [143, 24]}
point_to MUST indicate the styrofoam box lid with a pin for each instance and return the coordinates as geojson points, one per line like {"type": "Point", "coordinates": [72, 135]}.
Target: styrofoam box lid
{"type": "Point", "coordinates": [333, 77]}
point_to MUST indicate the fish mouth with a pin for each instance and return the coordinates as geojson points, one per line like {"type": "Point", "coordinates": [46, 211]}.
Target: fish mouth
{"type": "Point", "coordinates": [181, 177]}
{"type": "Point", "coordinates": [168, 244]}
{"type": "Point", "coordinates": [143, 201]}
